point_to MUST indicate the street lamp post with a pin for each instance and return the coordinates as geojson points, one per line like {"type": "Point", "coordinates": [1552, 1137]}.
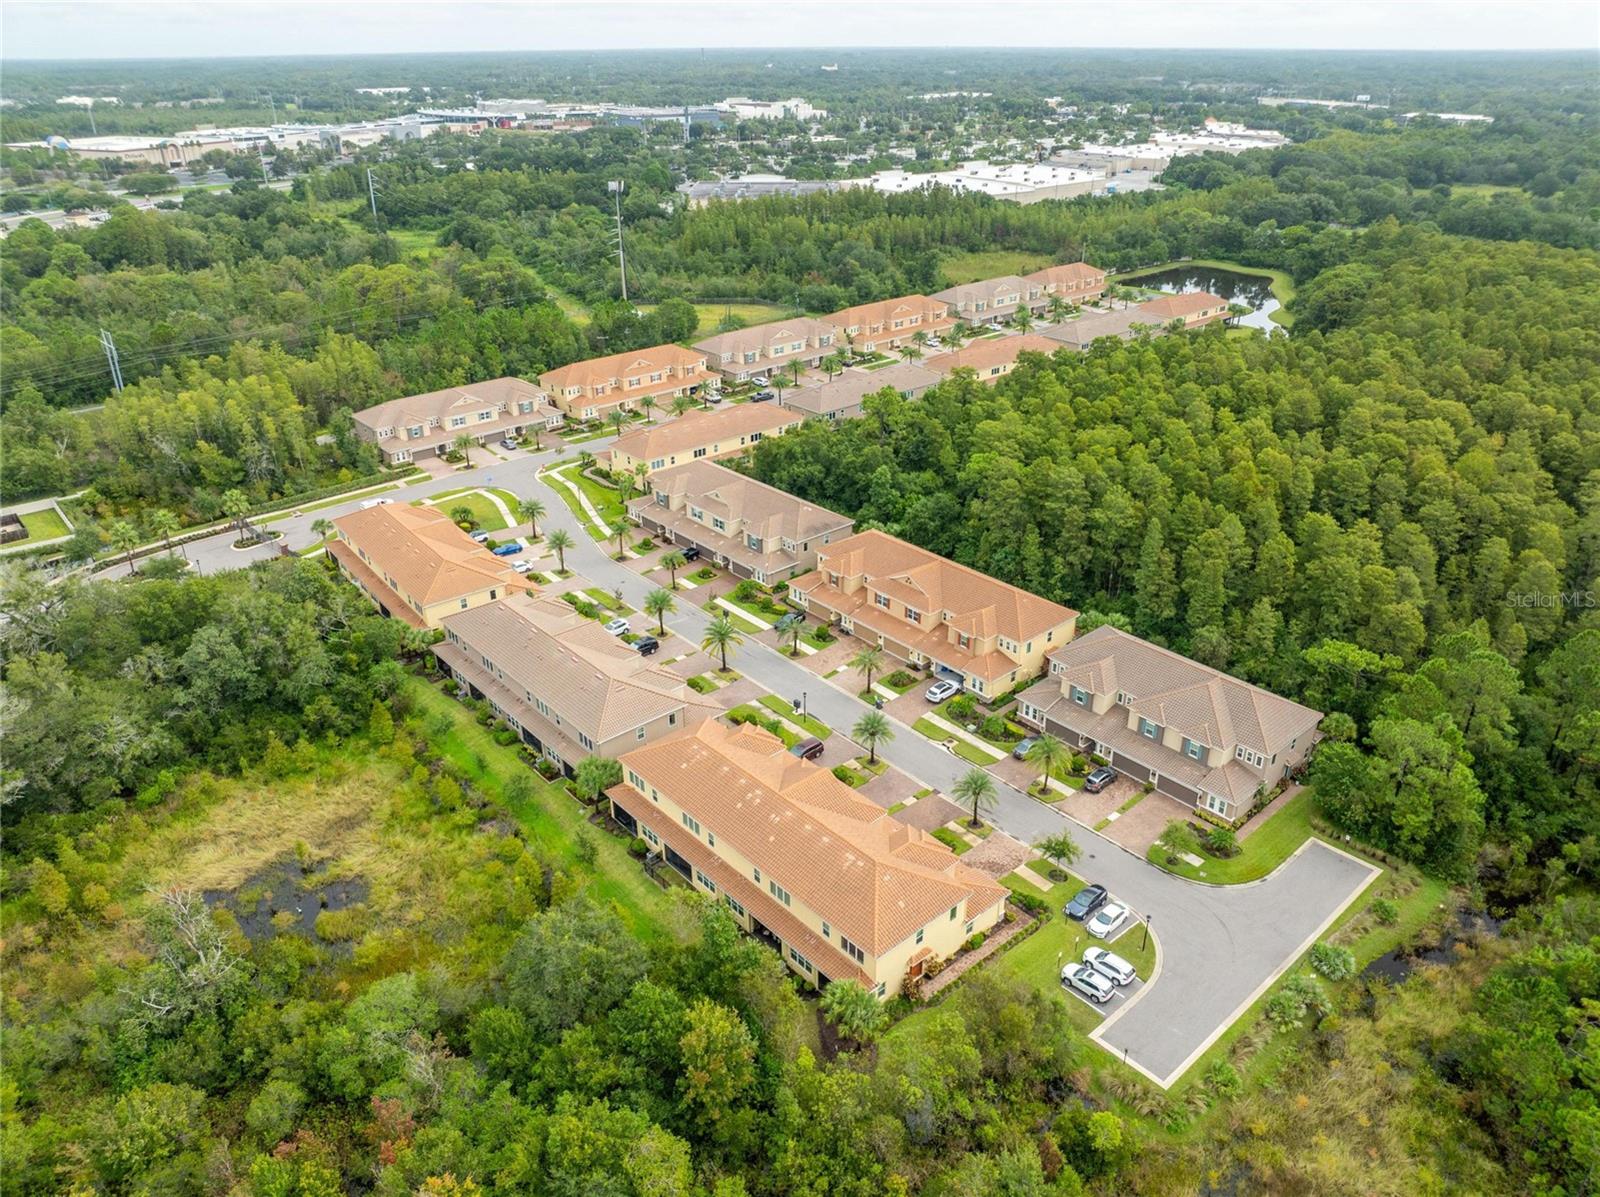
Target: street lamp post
{"type": "Point", "coordinates": [1145, 941]}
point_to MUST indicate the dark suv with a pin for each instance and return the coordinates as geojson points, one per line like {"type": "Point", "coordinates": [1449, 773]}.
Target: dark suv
{"type": "Point", "coordinates": [808, 749]}
{"type": "Point", "coordinates": [1085, 902]}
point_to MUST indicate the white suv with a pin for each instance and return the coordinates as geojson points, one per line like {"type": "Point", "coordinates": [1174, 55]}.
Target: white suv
{"type": "Point", "coordinates": [1091, 984]}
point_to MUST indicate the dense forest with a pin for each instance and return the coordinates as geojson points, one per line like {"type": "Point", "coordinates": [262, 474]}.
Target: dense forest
{"type": "Point", "coordinates": [282, 920]}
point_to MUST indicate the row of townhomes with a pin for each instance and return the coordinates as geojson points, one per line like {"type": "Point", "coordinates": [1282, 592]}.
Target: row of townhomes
{"type": "Point", "coordinates": [1042, 293]}
{"type": "Point", "coordinates": [416, 565]}
{"type": "Point", "coordinates": [569, 689]}
{"type": "Point", "coordinates": [1197, 735]}
{"type": "Point", "coordinates": [701, 435]}
{"type": "Point", "coordinates": [421, 426]}
{"type": "Point", "coordinates": [752, 529]}
{"type": "Point", "coordinates": [927, 611]}
{"type": "Point", "coordinates": [594, 388]}
{"type": "Point", "coordinates": [841, 888]}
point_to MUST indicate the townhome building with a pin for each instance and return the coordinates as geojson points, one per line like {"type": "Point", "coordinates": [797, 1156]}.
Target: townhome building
{"type": "Point", "coordinates": [416, 565]}
{"type": "Point", "coordinates": [568, 688]}
{"type": "Point", "coordinates": [885, 326]}
{"type": "Point", "coordinates": [752, 529]}
{"type": "Point", "coordinates": [991, 358]}
{"type": "Point", "coordinates": [1194, 308]}
{"type": "Point", "coordinates": [1072, 282]}
{"type": "Point", "coordinates": [840, 888]}
{"type": "Point", "coordinates": [592, 389]}
{"type": "Point", "coordinates": [1198, 735]}
{"type": "Point", "coordinates": [427, 425]}
{"type": "Point", "coordinates": [991, 301]}
{"type": "Point", "coordinates": [746, 353]}
{"type": "Point", "coordinates": [841, 397]}
{"type": "Point", "coordinates": [727, 431]}
{"type": "Point", "coordinates": [927, 611]}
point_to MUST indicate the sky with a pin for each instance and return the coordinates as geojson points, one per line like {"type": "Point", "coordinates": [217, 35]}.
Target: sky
{"type": "Point", "coordinates": [222, 28]}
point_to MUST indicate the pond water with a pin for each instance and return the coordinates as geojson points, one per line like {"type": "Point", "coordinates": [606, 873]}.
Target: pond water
{"type": "Point", "coordinates": [1253, 291]}
{"type": "Point", "coordinates": [1394, 967]}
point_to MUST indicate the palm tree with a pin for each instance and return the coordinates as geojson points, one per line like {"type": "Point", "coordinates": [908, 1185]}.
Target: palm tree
{"type": "Point", "coordinates": [640, 473]}
{"type": "Point", "coordinates": [832, 364]}
{"type": "Point", "coordinates": [956, 334]}
{"type": "Point", "coordinates": [681, 404]}
{"type": "Point", "coordinates": [531, 510]}
{"type": "Point", "coordinates": [560, 540]}
{"type": "Point", "coordinates": [794, 369]}
{"type": "Point", "coordinates": [616, 419]}
{"type": "Point", "coordinates": [536, 432]}
{"type": "Point", "coordinates": [674, 561]}
{"type": "Point", "coordinates": [977, 788]}
{"type": "Point", "coordinates": [620, 531]}
{"type": "Point", "coordinates": [1049, 754]}
{"type": "Point", "coordinates": [1022, 319]}
{"type": "Point", "coordinates": [322, 528]}
{"type": "Point", "coordinates": [125, 538]}
{"type": "Point", "coordinates": [919, 339]}
{"type": "Point", "coordinates": [462, 444]}
{"type": "Point", "coordinates": [461, 513]}
{"type": "Point", "coordinates": [1057, 307]}
{"type": "Point", "coordinates": [658, 603]}
{"type": "Point", "coordinates": [910, 352]}
{"type": "Point", "coordinates": [721, 635]}
{"type": "Point", "coordinates": [165, 525]}
{"type": "Point", "coordinates": [236, 506]}
{"type": "Point", "coordinates": [648, 402]}
{"type": "Point", "coordinates": [872, 729]}
{"type": "Point", "coordinates": [585, 461]}
{"type": "Point", "coordinates": [868, 661]}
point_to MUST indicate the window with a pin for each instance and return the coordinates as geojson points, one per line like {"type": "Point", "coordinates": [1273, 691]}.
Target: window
{"type": "Point", "coordinates": [463, 604]}
{"type": "Point", "coordinates": [778, 892]}
{"type": "Point", "coordinates": [825, 931]}
{"type": "Point", "coordinates": [734, 905]}
{"type": "Point", "coordinates": [661, 496]}
{"type": "Point", "coordinates": [1147, 729]}
{"type": "Point", "coordinates": [705, 882]}
{"type": "Point", "coordinates": [415, 430]}
{"type": "Point", "coordinates": [800, 961]}
{"type": "Point", "coordinates": [690, 822]}
{"type": "Point", "coordinates": [638, 733]}
{"type": "Point", "coordinates": [852, 951]}
{"type": "Point", "coordinates": [1192, 749]}
{"type": "Point", "coordinates": [913, 615]}
{"type": "Point", "coordinates": [1080, 696]}
{"type": "Point", "coordinates": [458, 421]}
{"type": "Point", "coordinates": [969, 926]}
{"type": "Point", "coordinates": [719, 524]}
{"type": "Point", "coordinates": [963, 640]}
{"type": "Point", "coordinates": [881, 599]}
{"type": "Point", "coordinates": [757, 874]}
{"type": "Point", "coordinates": [485, 415]}
{"type": "Point", "coordinates": [587, 743]}
{"type": "Point", "coordinates": [883, 988]}
{"type": "Point", "coordinates": [699, 452]}
{"type": "Point", "coordinates": [952, 914]}
{"type": "Point", "coordinates": [753, 543]}
{"type": "Point", "coordinates": [1215, 805]}
{"type": "Point", "coordinates": [635, 780]}
{"type": "Point", "coordinates": [919, 934]}
{"type": "Point", "coordinates": [652, 837]}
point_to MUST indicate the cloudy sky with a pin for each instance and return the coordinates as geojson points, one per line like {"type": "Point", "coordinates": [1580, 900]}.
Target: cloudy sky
{"type": "Point", "coordinates": [117, 29]}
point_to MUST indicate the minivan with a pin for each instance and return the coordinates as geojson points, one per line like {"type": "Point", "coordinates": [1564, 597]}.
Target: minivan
{"type": "Point", "coordinates": [808, 749]}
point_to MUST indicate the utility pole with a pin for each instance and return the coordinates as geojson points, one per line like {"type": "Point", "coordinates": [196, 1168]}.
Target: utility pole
{"type": "Point", "coordinates": [92, 128]}
{"type": "Point", "coordinates": [112, 361]}
{"type": "Point", "coordinates": [372, 194]}
{"type": "Point", "coordinates": [265, 177]}
{"type": "Point", "coordinates": [615, 186]}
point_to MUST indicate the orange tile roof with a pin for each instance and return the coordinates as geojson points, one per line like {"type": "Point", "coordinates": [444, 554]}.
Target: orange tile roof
{"type": "Point", "coordinates": [1188, 303]}
{"type": "Point", "coordinates": [425, 553]}
{"type": "Point", "coordinates": [978, 604]}
{"type": "Point", "coordinates": [886, 311]}
{"type": "Point", "coordinates": [1070, 275]}
{"type": "Point", "coordinates": [983, 355]}
{"type": "Point", "coordinates": [875, 879]}
{"type": "Point", "coordinates": [695, 429]}
{"type": "Point", "coordinates": [613, 369]}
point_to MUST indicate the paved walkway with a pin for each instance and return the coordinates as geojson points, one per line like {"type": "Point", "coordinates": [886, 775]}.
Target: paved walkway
{"type": "Point", "coordinates": [1219, 947]}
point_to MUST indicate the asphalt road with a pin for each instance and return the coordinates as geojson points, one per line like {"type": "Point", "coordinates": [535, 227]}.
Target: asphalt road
{"type": "Point", "coordinates": [1219, 947]}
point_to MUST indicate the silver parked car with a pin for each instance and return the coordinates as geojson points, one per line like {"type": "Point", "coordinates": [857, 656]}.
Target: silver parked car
{"type": "Point", "coordinates": [1110, 965]}
{"type": "Point", "coordinates": [1086, 981]}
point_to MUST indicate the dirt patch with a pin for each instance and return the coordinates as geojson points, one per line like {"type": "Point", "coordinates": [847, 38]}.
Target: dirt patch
{"type": "Point", "coordinates": [997, 855]}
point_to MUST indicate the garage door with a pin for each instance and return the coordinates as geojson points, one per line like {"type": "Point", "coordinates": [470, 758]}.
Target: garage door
{"type": "Point", "coordinates": [1172, 789]}
{"type": "Point", "coordinates": [1129, 767]}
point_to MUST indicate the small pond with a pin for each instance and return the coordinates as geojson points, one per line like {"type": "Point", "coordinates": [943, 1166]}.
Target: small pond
{"type": "Point", "coordinates": [1253, 291]}
{"type": "Point", "coordinates": [1394, 967]}
{"type": "Point", "coordinates": [285, 885]}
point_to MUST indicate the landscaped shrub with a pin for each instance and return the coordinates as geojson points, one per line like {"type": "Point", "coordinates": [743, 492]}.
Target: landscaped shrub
{"type": "Point", "coordinates": [1221, 842]}
{"type": "Point", "coordinates": [645, 545]}
{"type": "Point", "coordinates": [1032, 903]}
{"type": "Point", "coordinates": [976, 941]}
{"type": "Point", "coordinates": [1333, 962]}
{"type": "Point", "coordinates": [848, 775]}
{"type": "Point", "coordinates": [899, 679]}
{"type": "Point", "coordinates": [1080, 764]}
{"type": "Point", "coordinates": [962, 706]}
{"type": "Point", "coordinates": [705, 573]}
{"type": "Point", "coordinates": [638, 848]}
{"type": "Point", "coordinates": [1223, 1079]}
{"type": "Point", "coordinates": [587, 609]}
{"type": "Point", "coordinates": [821, 635]}
{"type": "Point", "coordinates": [1385, 911]}
{"type": "Point", "coordinates": [1300, 994]}
{"type": "Point", "coordinates": [994, 728]}
{"type": "Point", "coordinates": [746, 591]}
{"type": "Point", "coordinates": [949, 839]}
{"type": "Point", "coordinates": [701, 686]}
{"type": "Point", "coordinates": [505, 737]}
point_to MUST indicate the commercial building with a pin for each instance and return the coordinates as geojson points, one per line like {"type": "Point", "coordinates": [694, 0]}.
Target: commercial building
{"type": "Point", "coordinates": [591, 389]}
{"type": "Point", "coordinates": [427, 425]}
{"type": "Point", "coordinates": [991, 358]}
{"type": "Point", "coordinates": [890, 323]}
{"type": "Point", "coordinates": [726, 432]}
{"type": "Point", "coordinates": [841, 889]}
{"type": "Point", "coordinates": [746, 352]}
{"type": "Point", "coordinates": [841, 397]}
{"type": "Point", "coordinates": [568, 688]}
{"type": "Point", "coordinates": [1198, 735]}
{"type": "Point", "coordinates": [793, 108]}
{"type": "Point", "coordinates": [750, 528]}
{"type": "Point", "coordinates": [1070, 282]}
{"type": "Point", "coordinates": [925, 610]}
{"type": "Point", "coordinates": [752, 186]}
{"type": "Point", "coordinates": [1018, 183]}
{"type": "Point", "coordinates": [416, 565]}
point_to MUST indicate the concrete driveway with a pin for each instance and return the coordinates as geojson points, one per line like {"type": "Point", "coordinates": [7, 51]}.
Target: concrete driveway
{"type": "Point", "coordinates": [1219, 948]}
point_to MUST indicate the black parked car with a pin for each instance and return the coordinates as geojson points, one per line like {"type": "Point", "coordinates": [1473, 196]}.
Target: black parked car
{"type": "Point", "coordinates": [1099, 779]}
{"type": "Point", "coordinates": [808, 749]}
{"type": "Point", "coordinates": [691, 553]}
{"type": "Point", "coordinates": [646, 645]}
{"type": "Point", "coordinates": [1085, 902]}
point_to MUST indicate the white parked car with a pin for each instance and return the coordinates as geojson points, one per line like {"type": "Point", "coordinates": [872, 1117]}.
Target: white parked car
{"type": "Point", "coordinates": [1089, 983]}
{"type": "Point", "coordinates": [481, 537]}
{"type": "Point", "coordinates": [617, 626]}
{"type": "Point", "coordinates": [942, 690]}
{"type": "Point", "coordinates": [368, 504]}
{"type": "Point", "coordinates": [522, 567]}
{"type": "Point", "coordinates": [1110, 965]}
{"type": "Point", "coordinates": [1107, 920]}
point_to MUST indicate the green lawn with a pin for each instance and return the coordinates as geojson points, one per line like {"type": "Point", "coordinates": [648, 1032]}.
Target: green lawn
{"type": "Point", "coordinates": [45, 524]}
{"type": "Point", "coordinates": [990, 263]}
{"type": "Point", "coordinates": [751, 712]}
{"type": "Point", "coordinates": [1268, 847]}
{"type": "Point", "coordinates": [754, 608]}
{"type": "Point", "coordinates": [485, 515]}
{"type": "Point", "coordinates": [966, 751]}
{"type": "Point", "coordinates": [751, 312]}
{"type": "Point", "coordinates": [958, 844]}
{"type": "Point", "coordinates": [550, 818]}
{"type": "Point", "coordinates": [778, 706]}
{"type": "Point", "coordinates": [717, 610]}
{"type": "Point", "coordinates": [605, 499]}
{"type": "Point", "coordinates": [1282, 282]}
